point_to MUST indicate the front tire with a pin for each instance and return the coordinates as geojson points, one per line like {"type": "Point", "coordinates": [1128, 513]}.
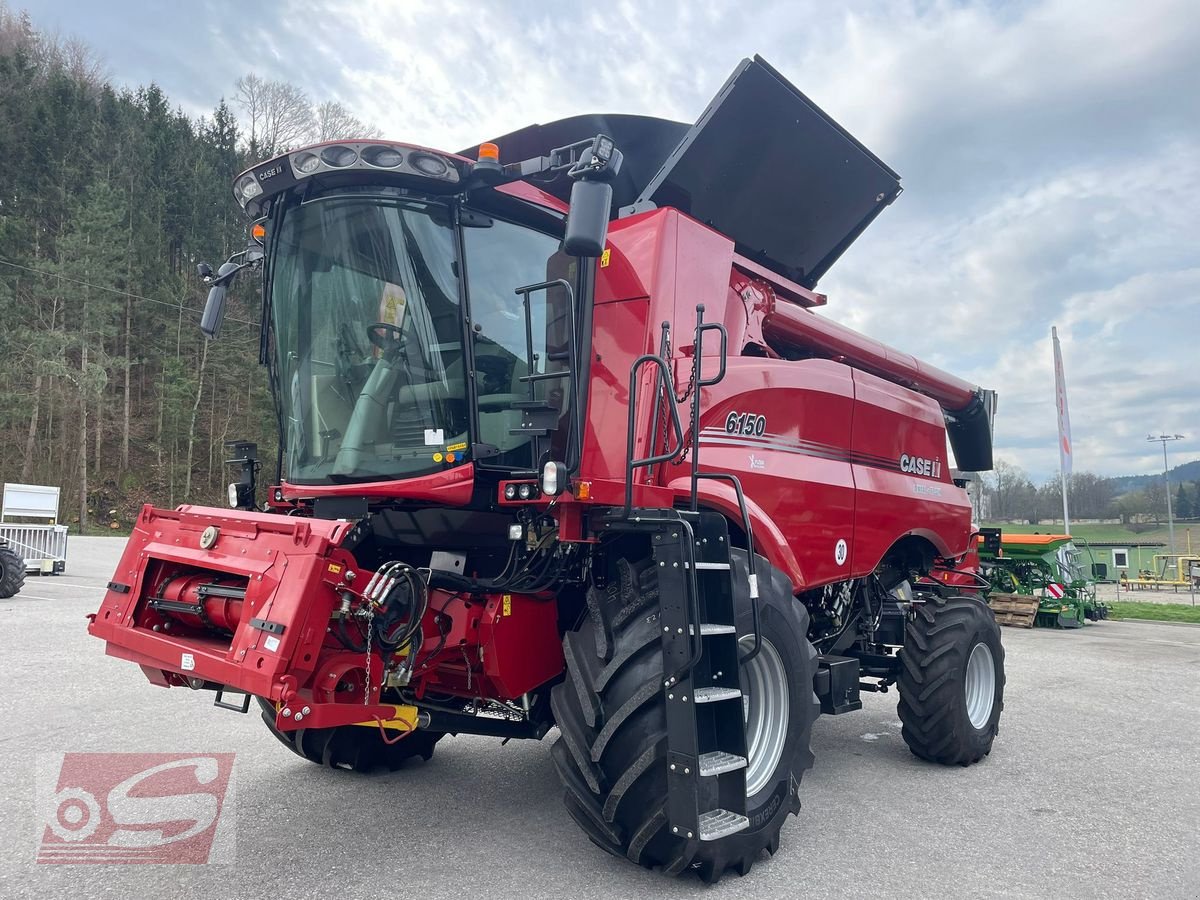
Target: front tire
{"type": "Point", "coordinates": [12, 573]}
{"type": "Point", "coordinates": [354, 747]}
{"type": "Point", "coordinates": [610, 710]}
{"type": "Point", "coordinates": [952, 680]}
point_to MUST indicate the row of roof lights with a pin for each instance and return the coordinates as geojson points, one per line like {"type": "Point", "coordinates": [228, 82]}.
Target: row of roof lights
{"type": "Point", "coordinates": [335, 157]}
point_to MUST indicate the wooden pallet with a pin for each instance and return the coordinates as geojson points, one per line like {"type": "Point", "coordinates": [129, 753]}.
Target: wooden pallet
{"type": "Point", "coordinates": [1014, 609]}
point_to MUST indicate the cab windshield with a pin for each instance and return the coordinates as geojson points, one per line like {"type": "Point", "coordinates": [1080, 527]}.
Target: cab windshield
{"type": "Point", "coordinates": [368, 339]}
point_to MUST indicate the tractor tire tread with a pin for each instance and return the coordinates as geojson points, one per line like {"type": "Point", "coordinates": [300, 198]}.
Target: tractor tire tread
{"type": "Point", "coordinates": [933, 663]}
{"type": "Point", "coordinates": [12, 573]}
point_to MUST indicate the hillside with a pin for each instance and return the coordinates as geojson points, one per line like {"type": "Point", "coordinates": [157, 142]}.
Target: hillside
{"type": "Point", "coordinates": [1123, 484]}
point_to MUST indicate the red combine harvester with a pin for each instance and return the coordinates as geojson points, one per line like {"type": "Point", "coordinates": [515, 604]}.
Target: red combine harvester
{"type": "Point", "coordinates": [564, 442]}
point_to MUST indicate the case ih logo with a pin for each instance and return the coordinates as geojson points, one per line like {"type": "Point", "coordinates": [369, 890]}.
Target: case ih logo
{"type": "Point", "coordinates": [136, 808]}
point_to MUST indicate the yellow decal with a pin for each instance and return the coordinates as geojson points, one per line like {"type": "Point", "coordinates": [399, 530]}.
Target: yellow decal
{"type": "Point", "coordinates": [507, 610]}
{"type": "Point", "coordinates": [605, 257]}
{"type": "Point", "coordinates": [456, 447]}
{"type": "Point", "coordinates": [335, 569]}
{"type": "Point", "coordinates": [437, 457]}
{"type": "Point", "coordinates": [392, 305]}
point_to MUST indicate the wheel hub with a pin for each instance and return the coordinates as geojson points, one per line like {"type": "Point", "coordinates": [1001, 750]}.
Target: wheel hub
{"type": "Point", "coordinates": [979, 685]}
{"type": "Point", "coordinates": [765, 710]}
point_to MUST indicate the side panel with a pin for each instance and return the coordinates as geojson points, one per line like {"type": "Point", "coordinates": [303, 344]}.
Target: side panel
{"type": "Point", "coordinates": [903, 474]}
{"type": "Point", "coordinates": [784, 429]}
{"type": "Point", "coordinates": [618, 338]}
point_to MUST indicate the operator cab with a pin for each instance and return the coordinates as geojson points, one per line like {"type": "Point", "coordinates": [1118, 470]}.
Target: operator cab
{"type": "Point", "coordinates": [398, 341]}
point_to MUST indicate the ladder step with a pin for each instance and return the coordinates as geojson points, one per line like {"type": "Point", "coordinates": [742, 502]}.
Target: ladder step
{"type": "Point", "coordinates": [719, 823]}
{"type": "Point", "coordinates": [716, 694]}
{"type": "Point", "coordinates": [712, 565]}
{"type": "Point", "coordinates": [711, 628]}
{"type": "Point", "coordinates": [717, 762]}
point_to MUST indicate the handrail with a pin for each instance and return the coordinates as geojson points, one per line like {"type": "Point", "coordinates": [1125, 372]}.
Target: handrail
{"type": "Point", "coordinates": [700, 382]}
{"type": "Point", "coordinates": [533, 375]}
{"type": "Point", "coordinates": [663, 383]}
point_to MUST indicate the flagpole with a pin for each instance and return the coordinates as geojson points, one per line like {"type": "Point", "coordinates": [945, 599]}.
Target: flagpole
{"type": "Point", "coordinates": [1066, 518]}
{"type": "Point", "coordinates": [1064, 426]}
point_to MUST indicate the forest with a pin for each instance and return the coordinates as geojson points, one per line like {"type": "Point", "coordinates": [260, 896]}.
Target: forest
{"type": "Point", "coordinates": [109, 197]}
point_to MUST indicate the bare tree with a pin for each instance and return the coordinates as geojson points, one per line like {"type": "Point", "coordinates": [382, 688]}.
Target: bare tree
{"type": "Point", "coordinates": [332, 121]}
{"type": "Point", "coordinates": [278, 115]}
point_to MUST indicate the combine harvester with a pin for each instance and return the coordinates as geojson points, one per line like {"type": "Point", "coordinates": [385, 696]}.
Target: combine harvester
{"type": "Point", "coordinates": [565, 443]}
{"type": "Point", "coordinates": [1044, 568]}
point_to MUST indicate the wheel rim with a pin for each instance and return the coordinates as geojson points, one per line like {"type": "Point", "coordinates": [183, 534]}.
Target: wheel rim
{"type": "Point", "coordinates": [765, 711]}
{"type": "Point", "coordinates": [979, 686]}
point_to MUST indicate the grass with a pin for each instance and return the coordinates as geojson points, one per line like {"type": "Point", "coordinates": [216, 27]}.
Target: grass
{"type": "Point", "coordinates": [1157, 612]}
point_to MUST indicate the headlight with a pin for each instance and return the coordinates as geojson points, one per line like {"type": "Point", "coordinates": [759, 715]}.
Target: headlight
{"type": "Point", "coordinates": [510, 492]}
{"type": "Point", "coordinates": [525, 491]}
{"type": "Point", "coordinates": [338, 157]}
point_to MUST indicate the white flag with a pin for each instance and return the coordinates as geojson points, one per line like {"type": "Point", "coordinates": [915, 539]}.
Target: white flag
{"type": "Point", "coordinates": [1064, 418]}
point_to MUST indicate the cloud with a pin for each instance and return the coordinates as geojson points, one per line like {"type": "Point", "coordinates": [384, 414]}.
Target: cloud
{"type": "Point", "coordinates": [1050, 153]}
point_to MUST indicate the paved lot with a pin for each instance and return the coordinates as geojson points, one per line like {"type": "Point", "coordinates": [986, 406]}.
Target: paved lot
{"type": "Point", "coordinates": [1093, 788]}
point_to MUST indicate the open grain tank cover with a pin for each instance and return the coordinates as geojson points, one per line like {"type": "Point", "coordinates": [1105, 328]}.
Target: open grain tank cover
{"type": "Point", "coordinates": [763, 165]}
{"type": "Point", "coordinates": [766, 167]}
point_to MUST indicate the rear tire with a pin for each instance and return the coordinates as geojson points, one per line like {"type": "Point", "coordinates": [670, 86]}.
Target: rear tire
{"type": "Point", "coordinates": [952, 680]}
{"type": "Point", "coordinates": [12, 573]}
{"type": "Point", "coordinates": [610, 710]}
{"type": "Point", "coordinates": [354, 747]}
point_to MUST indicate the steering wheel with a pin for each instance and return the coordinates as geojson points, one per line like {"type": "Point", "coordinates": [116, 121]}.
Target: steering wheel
{"type": "Point", "coordinates": [391, 338]}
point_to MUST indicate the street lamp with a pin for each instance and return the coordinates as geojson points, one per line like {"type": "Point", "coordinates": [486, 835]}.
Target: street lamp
{"type": "Point", "coordinates": [1163, 439]}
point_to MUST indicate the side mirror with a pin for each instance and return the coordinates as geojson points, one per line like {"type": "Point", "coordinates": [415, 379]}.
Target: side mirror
{"type": "Point", "coordinates": [214, 307]}
{"type": "Point", "coordinates": [587, 218]}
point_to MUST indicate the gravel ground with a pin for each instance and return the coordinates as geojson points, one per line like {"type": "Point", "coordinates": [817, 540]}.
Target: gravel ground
{"type": "Point", "coordinates": [1091, 790]}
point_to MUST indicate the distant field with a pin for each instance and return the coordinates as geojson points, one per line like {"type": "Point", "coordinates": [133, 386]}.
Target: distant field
{"type": "Point", "coordinates": [1111, 533]}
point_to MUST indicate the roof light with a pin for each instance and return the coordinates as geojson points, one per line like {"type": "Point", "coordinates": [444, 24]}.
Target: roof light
{"type": "Point", "coordinates": [247, 188]}
{"type": "Point", "coordinates": [428, 164]}
{"type": "Point", "coordinates": [306, 163]}
{"type": "Point", "coordinates": [338, 156]}
{"type": "Point", "coordinates": [489, 151]}
{"type": "Point", "coordinates": [382, 157]}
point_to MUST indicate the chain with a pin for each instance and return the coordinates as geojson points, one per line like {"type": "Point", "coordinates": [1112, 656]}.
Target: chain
{"type": "Point", "coordinates": [683, 398]}
{"type": "Point", "coordinates": [367, 676]}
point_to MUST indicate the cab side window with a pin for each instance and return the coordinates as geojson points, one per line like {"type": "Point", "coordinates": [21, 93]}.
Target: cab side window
{"type": "Point", "coordinates": [500, 258]}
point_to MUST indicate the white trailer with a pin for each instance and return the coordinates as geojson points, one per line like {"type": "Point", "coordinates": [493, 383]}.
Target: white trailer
{"type": "Point", "coordinates": [29, 522]}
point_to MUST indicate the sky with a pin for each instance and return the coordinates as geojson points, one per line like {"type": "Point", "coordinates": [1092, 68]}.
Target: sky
{"type": "Point", "coordinates": [1049, 151]}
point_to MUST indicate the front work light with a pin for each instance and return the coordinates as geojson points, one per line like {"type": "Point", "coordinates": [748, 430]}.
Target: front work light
{"type": "Point", "coordinates": [554, 478]}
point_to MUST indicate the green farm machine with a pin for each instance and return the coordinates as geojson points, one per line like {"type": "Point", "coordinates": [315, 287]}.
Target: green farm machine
{"type": "Point", "coordinates": [1048, 567]}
